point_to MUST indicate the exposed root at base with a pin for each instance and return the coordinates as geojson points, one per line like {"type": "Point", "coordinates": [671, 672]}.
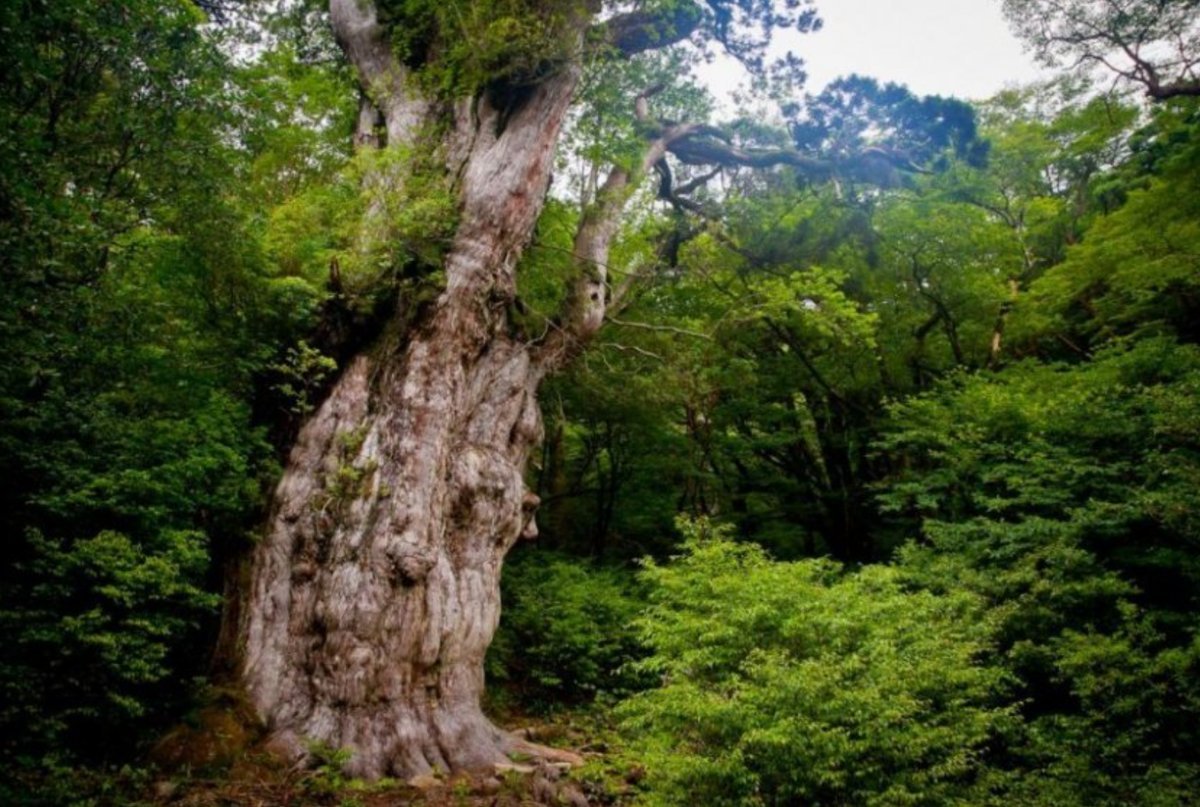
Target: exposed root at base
{"type": "Point", "coordinates": [521, 771]}
{"type": "Point", "coordinates": [544, 753]}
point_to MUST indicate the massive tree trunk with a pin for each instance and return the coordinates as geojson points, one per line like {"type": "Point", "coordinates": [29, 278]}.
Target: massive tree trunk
{"type": "Point", "coordinates": [375, 591]}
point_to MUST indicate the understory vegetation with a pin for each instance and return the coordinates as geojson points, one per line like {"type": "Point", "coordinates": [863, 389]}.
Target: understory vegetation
{"type": "Point", "coordinates": [880, 487]}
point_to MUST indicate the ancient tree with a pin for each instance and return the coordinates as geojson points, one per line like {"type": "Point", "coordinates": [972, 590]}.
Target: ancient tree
{"type": "Point", "coordinates": [374, 592]}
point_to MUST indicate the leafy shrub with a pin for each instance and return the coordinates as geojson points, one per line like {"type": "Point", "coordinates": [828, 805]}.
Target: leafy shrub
{"type": "Point", "coordinates": [1065, 498]}
{"type": "Point", "coordinates": [564, 632]}
{"type": "Point", "coordinates": [796, 683]}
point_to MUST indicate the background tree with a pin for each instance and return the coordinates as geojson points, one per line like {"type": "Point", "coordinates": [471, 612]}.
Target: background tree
{"type": "Point", "coordinates": [970, 383]}
{"type": "Point", "coordinates": [126, 438]}
{"type": "Point", "coordinates": [152, 346]}
{"type": "Point", "coordinates": [1153, 44]}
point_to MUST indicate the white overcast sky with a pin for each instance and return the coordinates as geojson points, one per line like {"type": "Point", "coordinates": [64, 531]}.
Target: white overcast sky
{"type": "Point", "coordinates": [937, 47]}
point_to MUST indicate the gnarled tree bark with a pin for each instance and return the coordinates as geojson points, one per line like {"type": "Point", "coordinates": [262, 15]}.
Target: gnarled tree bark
{"type": "Point", "coordinates": [374, 593]}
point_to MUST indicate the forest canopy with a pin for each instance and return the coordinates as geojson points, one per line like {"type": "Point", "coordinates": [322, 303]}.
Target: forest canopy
{"type": "Point", "coordinates": [839, 445]}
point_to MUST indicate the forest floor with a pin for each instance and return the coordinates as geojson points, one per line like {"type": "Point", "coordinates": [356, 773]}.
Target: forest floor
{"type": "Point", "coordinates": [257, 780]}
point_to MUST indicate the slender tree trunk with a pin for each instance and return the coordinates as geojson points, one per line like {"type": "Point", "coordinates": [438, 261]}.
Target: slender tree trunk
{"type": "Point", "coordinates": [555, 481]}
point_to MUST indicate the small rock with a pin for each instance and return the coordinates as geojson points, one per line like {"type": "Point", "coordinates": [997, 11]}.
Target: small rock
{"type": "Point", "coordinates": [550, 771]}
{"type": "Point", "coordinates": [490, 786]}
{"type": "Point", "coordinates": [573, 796]}
{"type": "Point", "coordinates": [544, 791]}
{"type": "Point", "coordinates": [424, 781]}
{"type": "Point", "coordinates": [165, 790]}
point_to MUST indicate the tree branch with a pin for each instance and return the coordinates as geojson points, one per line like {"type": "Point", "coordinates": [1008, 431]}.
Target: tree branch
{"type": "Point", "coordinates": [693, 150]}
{"type": "Point", "coordinates": [634, 349]}
{"type": "Point", "coordinates": [384, 81]}
{"type": "Point", "coordinates": [1178, 89]}
{"type": "Point", "coordinates": [589, 299]}
{"type": "Point", "coordinates": [638, 31]}
{"type": "Point", "coordinates": [661, 328]}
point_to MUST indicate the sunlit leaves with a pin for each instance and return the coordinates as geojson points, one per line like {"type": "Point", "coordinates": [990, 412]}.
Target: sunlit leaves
{"type": "Point", "coordinates": [796, 683]}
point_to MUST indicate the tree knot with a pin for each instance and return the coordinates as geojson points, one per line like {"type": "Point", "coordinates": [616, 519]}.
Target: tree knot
{"type": "Point", "coordinates": [409, 562]}
{"type": "Point", "coordinates": [529, 506]}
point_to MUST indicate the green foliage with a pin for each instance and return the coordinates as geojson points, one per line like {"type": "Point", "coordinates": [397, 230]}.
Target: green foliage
{"type": "Point", "coordinates": [462, 47]}
{"type": "Point", "coordinates": [140, 319]}
{"type": "Point", "coordinates": [308, 230]}
{"type": "Point", "coordinates": [134, 457]}
{"type": "Point", "coordinates": [563, 636]}
{"type": "Point", "coordinates": [417, 217]}
{"type": "Point", "coordinates": [605, 132]}
{"type": "Point", "coordinates": [786, 683]}
{"type": "Point", "coordinates": [296, 114]}
{"type": "Point", "coordinates": [1136, 270]}
{"type": "Point", "coordinates": [97, 624]}
{"type": "Point", "coordinates": [613, 470]}
{"type": "Point", "coordinates": [325, 777]}
{"type": "Point", "coordinates": [1097, 447]}
{"type": "Point", "coordinates": [300, 374]}
{"type": "Point", "coordinates": [350, 479]}
{"type": "Point", "coordinates": [383, 219]}
{"type": "Point", "coordinates": [60, 783]}
{"type": "Point", "coordinates": [995, 363]}
{"type": "Point", "coordinates": [1065, 497]}
{"type": "Point", "coordinates": [853, 113]}
{"type": "Point", "coordinates": [546, 269]}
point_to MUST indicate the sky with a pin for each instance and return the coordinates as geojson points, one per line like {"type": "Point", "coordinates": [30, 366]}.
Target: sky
{"type": "Point", "coordinates": [937, 47]}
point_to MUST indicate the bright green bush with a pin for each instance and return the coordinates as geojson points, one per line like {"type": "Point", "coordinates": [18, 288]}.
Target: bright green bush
{"type": "Point", "coordinates": [797, 683]}
{"type": "Point", "coordinates": [564, 633]}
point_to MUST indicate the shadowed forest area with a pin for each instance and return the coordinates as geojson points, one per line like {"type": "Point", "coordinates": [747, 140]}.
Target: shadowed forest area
{"type": "Point", "coordinates": [840, 446]}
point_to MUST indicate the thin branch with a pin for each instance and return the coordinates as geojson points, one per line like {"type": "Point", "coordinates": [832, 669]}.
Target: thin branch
{"type": "Point", "coordinates": [633, 349]}
{"type": "Point", "coordinates": [641, 104]}
{"type": "Point", "coordinates": [663, 328]}
{"type": "Point", "coordinates": [696, 183]}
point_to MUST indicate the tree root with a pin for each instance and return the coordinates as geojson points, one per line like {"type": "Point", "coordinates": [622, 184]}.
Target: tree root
{"type": "Point", "coordinates": [543, 753]}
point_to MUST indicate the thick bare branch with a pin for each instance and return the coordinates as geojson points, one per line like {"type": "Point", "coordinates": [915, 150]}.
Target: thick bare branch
{"type": "Point", "coordinates": [693, 150]}
{"type": "Point", "coordinates": [639, 31]}
{"type": "Point", "coordinates": [384, 80]}
{"type": "Point", "coordinates": [677, 197]}
{"type": "Point", "coordinates": [1178, 89]}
